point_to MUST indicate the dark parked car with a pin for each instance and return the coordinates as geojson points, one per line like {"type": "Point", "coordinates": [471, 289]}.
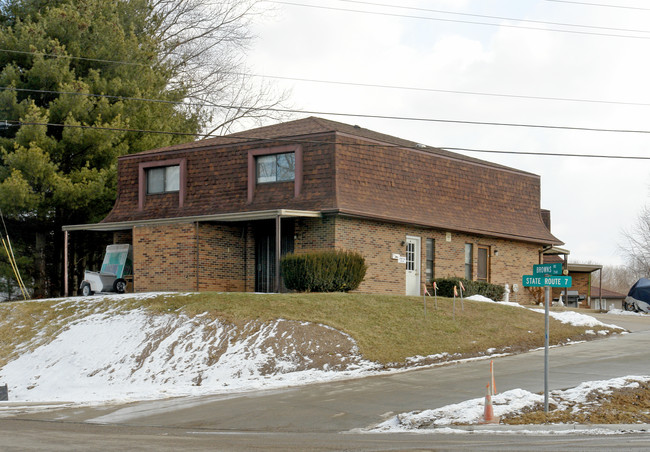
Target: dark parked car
{"type": "Point", "coordinates": [638, 298]}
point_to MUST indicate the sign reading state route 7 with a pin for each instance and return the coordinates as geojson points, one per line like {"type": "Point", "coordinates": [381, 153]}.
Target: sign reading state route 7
{"type": "Point", "coordinates": [542, 281]}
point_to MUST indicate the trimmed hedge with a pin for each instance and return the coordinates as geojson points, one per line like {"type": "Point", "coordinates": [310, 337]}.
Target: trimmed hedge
{"type": "Point", "coordinates": [492, 291]}
{"type": "Point", "coordinates": [323, 271]}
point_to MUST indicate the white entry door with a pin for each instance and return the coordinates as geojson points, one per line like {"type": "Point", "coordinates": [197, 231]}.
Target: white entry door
{"type": "Point", "coordinates": [412, 265]}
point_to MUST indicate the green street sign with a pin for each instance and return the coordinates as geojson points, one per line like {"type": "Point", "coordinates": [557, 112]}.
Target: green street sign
{"type": "Point", "coordinates": [547, 269]}
{"type": "Point", "coordinates": [543, 281]}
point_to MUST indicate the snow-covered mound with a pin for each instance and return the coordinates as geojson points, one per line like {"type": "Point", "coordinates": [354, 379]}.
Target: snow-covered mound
{"type": "Point", "coordinates": [96, 350]}
{"type": "Point", "coordinates": [135, 355]}
{"type": "Point", "coordinates": [507, 403]}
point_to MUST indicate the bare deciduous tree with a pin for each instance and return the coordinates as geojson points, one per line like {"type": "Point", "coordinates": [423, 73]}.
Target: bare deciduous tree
{"type": "Point", "coordinates": [618, 278]}
{"type": "Point", "coordinates": [636, 246]}
{"type": "Point", "coordinates": [203, 44]}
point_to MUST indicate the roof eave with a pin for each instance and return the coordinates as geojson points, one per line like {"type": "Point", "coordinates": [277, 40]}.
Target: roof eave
{"type": "Point", "coordinates": [551, 240]}
{"type": "Point", "coordinates": [224, 217]}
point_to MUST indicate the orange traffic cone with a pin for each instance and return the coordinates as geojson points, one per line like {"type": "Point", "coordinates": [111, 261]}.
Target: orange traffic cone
{"type": "Point", "coordinates": [488, 413]}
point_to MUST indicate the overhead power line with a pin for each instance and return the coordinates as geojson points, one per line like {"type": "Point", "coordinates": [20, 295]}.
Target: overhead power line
{"type": "Point", "coordinates": [448, 91]}
{"type": "Point", "coordinates": [600, 4]}
{"type": "Point", "coordinates": [101, 96]}
{"type": "Point", "coordinates": [549, 154]}
{"type": "Point", "coordinates": [336, 82]}
{"type": "Point", "coordinates": [469, 22]}
{"type": "Point", "coordinates": [439, 11]}
{"type": "Point", "coordinates": [311, 80]}
{"type": "Point", "coordinates": [70, 57]}
{"type": "Point", "coordinates": [242, 136]}
{"type": "Point", "coordinates": [114, 129]}
{"type": "Point", "coordinates": [392, 117]}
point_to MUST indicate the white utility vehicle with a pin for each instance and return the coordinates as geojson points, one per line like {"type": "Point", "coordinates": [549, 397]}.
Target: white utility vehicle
{"type": "Point", "coordinates": [118, 264]}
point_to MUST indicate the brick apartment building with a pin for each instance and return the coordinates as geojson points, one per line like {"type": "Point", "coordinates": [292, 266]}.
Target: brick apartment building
{"type": "Point", "coordinates": [216, 214]}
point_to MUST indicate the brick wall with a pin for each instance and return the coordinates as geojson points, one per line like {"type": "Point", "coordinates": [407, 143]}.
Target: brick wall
{"type": "Point", "coordinates": [123, 237]}
{"type": "Point", "coordinates": [165, 257]}
{"type": "Point", "coordinates": [223, 260]}
{"type": "Point", "coordinates": [249, 283]}
{"type": "Point", "coordinates": [580, 282]}
{"type": "Point", "coordinates": [314, 234]}
{"type": "Point", "coordinates": [377, 241]}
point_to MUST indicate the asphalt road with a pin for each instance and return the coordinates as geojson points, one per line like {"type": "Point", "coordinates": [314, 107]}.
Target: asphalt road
{"type": "Point", "coordinates": [321, 416]}
{"type": "Point", "coordinates": [16, 435]}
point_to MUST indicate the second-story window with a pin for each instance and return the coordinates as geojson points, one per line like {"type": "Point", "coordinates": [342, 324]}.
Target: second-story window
{"type": "Point", "coordinates": [276, 167]}
{"type": "Point", "coordinates": [163, 179]}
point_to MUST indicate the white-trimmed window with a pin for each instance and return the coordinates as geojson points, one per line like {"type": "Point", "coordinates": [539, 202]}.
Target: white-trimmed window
{"type": "Point", "coordinates": [469, 259]}
{"type": "Point", "coordinates": [163, 179]}
{"type": "Point", "coordinates": [429, 261]}
{"type": "Point", "coordinates": [483, 264]}
{"type": "Point", "coordinates": [275, 167]}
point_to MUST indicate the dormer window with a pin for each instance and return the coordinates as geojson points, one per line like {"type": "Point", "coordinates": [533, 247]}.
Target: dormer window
{"type": "Point", "coordinates": [163, 179]}
{"type": "Point", "coordinates": [274, 164]}
{"type": "Point", "coordinates": [276, 167]}
{"type": "Point", "coordinates": [162, 176]}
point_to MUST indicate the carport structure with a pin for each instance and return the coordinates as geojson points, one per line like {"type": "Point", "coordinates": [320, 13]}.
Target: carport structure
{"type": "Point", "coordinates": [264, 236]}
{"type": "Point", "coordinates": [582, 278]}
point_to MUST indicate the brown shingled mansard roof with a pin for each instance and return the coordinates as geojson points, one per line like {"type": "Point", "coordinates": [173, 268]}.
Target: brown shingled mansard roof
{"type": "Point", "coordinates": [388, 178]}
{"type": "Point", "coordinates": [293, 130]}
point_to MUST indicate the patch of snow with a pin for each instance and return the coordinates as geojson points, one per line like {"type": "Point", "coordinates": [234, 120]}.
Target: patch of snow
{"type": "Point", "coordinates": [109, 297]}
{"type": "Point", "coordinates": [577, 319]}
{"type": "Point", "coordinates": [420, 359]}
{"type": "Point", "coordinates": [622, 312]}
{"type": "Point", "coordinates": [478, 297]}
{"type": "Point", "coordinates": [484, 299]}
{"type": "Point", "coordinates": [518, 431]}
{"type": "Point", "coordinates": [122, 356]}
{"type": "Point", "coordinates": [109, 355]}
{"type": "Point", "coordinates": [507, 403]}
{"type": "Point", "coordinates": [468, 412]}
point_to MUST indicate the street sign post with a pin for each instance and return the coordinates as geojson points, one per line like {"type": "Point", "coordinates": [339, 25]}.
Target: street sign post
{"type": "Point", "coordinates": [546, 276]}
{"type": "Point", "coordinates": [543, 281]}
{"type": "Point", "coordinates": [547, 269]}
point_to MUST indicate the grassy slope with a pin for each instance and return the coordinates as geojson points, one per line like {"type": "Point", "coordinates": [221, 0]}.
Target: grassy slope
{"type": "Point", "coordinates": [388, 329]}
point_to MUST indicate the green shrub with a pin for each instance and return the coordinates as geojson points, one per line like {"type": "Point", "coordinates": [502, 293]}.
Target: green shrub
{"type": "Point", "coordinates": [492, 291]}
{"type": "Point", "coordinates": [323, 271]}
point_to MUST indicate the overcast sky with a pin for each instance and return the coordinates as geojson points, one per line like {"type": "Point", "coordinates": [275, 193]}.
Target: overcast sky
{"type": "Point", "coordinates": [591, 200]}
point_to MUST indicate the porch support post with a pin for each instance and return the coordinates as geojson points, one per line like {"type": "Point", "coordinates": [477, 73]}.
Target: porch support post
{"type": "Point", "coordinates": [278, 250]}
{"type": "Point", "coordinates": [198, 267]}
{"type": "Point", "coordinates": [65, 263]}
{"type": "Point", "coordinates": [600, 288]}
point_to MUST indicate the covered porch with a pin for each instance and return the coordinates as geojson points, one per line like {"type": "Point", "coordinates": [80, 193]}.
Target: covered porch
{"type": "Point", "coordinates": [223, 252]}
